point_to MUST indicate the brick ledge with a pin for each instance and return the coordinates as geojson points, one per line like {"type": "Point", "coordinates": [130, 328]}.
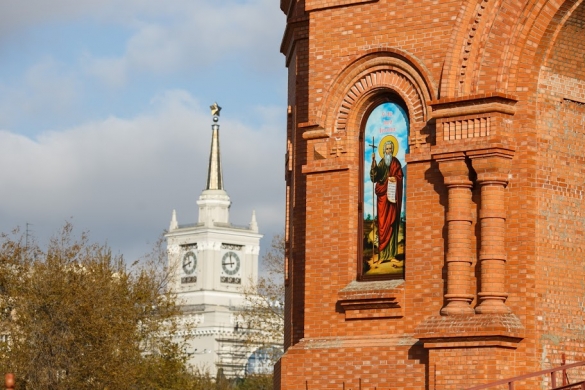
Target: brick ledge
{"type": "Point", "coordinates": [370, 300]}
{"type": "Point", "coordinates": [482, 330]}
{"type": "Point", "coordinates": [404, 339]}
{"type": "Point", "coordinates": [329, 165]}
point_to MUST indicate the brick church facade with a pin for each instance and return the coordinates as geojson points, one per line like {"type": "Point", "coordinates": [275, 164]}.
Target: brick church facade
{"type": "Point", "coordinates": [482, 104]}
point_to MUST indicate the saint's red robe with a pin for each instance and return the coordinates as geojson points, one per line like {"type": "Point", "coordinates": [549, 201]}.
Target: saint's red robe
{"type": "Point", "coordinates": [388, 212]}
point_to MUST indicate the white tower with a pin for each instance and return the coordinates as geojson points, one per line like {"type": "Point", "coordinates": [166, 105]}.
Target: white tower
{"type": "Point", "coordinates": [212, 261]}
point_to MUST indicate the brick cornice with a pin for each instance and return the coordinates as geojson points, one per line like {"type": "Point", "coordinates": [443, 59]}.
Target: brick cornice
{"type": "Point", "coordinates": [473, 122]}
{"type": "Point", "coordinates": [472, 148]}
{"type": "Point", "coordinates": [495, 96]}
{"type": "Point", "coordinates": [312, 131]}
{"type": "Point", "coordinates": [296, 29]}
{"type": "Point", "coordinates": [474, 105]}
{"type": "Point", "coordinates": [319, 5]}
{"type": "Point", "coordinates": [448, 154]}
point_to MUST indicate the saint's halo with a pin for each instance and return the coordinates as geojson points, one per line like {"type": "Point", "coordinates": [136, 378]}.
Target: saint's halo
{"type": "Point", "coordinates": [387, 138]}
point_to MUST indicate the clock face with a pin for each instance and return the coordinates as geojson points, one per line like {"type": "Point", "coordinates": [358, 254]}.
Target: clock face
{"type": "Point", "coordinates": [230, 263]}
{"type": "Point", "coordinates": [189, 262]}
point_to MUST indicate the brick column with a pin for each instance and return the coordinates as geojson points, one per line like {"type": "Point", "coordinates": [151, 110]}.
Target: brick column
{"type": "Point", "coordinates": [492, 170]}
{"type": "Point", "coordinates": [455, 172]}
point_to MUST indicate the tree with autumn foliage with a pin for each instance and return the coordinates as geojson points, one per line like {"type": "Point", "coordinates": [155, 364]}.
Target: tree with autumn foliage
{"type": "Point", "coordinates": [75, 316]}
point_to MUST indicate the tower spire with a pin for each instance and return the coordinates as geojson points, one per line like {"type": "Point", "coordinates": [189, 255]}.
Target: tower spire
{"type": "Point", "coordinates": [214, 176]}
{"type": "Point", "coordinates": [214, 203]}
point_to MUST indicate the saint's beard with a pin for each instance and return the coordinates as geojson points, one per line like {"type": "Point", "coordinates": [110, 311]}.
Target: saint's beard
{"type": "Point", "coordinates": [388, 159]}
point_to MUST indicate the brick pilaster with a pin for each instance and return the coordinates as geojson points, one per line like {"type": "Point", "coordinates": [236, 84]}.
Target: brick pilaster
{"type": "Point", "coordinates": [454, 169]}
{"type": "Point", "coordinates": [492, 168]}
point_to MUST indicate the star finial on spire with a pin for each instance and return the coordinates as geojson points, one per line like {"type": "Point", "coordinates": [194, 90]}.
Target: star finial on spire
{"type": "Point", "coordinates": [215, 109]}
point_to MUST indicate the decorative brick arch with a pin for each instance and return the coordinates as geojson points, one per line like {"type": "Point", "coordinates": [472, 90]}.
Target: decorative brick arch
{"type": "Point", "coordinates": [371, 76]}
{"type": "Point", "coordinates": [564, 13]}
{"type": "Point", "coordinates": [466, 46]}
{"type": "Point", "coordinates": [530, 43]}
{"type": "Point", "coordinates": [380, 80]}
{"type": "Point", "coordinates": [497, 35]}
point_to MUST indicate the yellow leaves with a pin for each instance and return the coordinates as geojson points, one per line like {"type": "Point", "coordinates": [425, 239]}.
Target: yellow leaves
{"type": "Point", "coordinates": [78, 310]}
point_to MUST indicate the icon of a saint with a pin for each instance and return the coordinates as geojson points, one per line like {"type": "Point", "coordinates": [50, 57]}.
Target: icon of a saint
{"type": "Point", "coordinates": [389, 181]}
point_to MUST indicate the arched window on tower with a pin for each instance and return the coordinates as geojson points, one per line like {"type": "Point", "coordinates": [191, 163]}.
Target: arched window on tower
{"type": "Point", "coordinates": [383, 212]}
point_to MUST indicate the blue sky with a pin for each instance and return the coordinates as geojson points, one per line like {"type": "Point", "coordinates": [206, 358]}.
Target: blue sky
{"type": "Point", "coordinates": [104, 114]}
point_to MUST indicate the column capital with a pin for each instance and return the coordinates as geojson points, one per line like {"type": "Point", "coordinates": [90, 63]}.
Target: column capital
{"type": "Point", "coordinates": [454, 168]}
{"type": "Point", "coordinates": [492, 165]}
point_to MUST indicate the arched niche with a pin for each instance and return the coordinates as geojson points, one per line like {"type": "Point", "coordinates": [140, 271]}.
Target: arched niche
{"type": "Point", "coordinates": [384, 144]}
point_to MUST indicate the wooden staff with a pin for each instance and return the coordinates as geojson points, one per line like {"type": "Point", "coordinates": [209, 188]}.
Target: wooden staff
{"type": "Point", "coordinates": [374, 147]}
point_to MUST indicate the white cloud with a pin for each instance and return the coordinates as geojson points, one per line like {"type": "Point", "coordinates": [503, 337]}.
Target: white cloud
{"type": "Point", "coordinates": [47, 89]}
{"type": "Point", "coordinates": [192, 35]}
{"type": "Point", "coordinates": [121, 178]}
{"type": "Point", "coordinates": [16, 15]}
{"type": "Point", "coordinates": [164, 35]}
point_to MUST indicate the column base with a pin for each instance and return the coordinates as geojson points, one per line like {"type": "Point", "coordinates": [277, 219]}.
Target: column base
{"type": "Point", "coordinates": [458, 304]}
{"type": "Point", "coordinates": [492, 303]}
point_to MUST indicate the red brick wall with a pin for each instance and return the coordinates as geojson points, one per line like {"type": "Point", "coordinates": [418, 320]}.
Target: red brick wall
{"type": "Point", "coordinates": [332, 367]}
{"type": "Point", "coordinates": [460, 360]}
{"type": "Point", "coordinates": [560, 181]}
{"type": "Point", "coordinates": [518, 64]}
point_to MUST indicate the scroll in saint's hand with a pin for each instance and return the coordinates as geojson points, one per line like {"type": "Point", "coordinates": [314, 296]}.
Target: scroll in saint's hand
{"type": "Point", "coordinates": [391, 192]}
